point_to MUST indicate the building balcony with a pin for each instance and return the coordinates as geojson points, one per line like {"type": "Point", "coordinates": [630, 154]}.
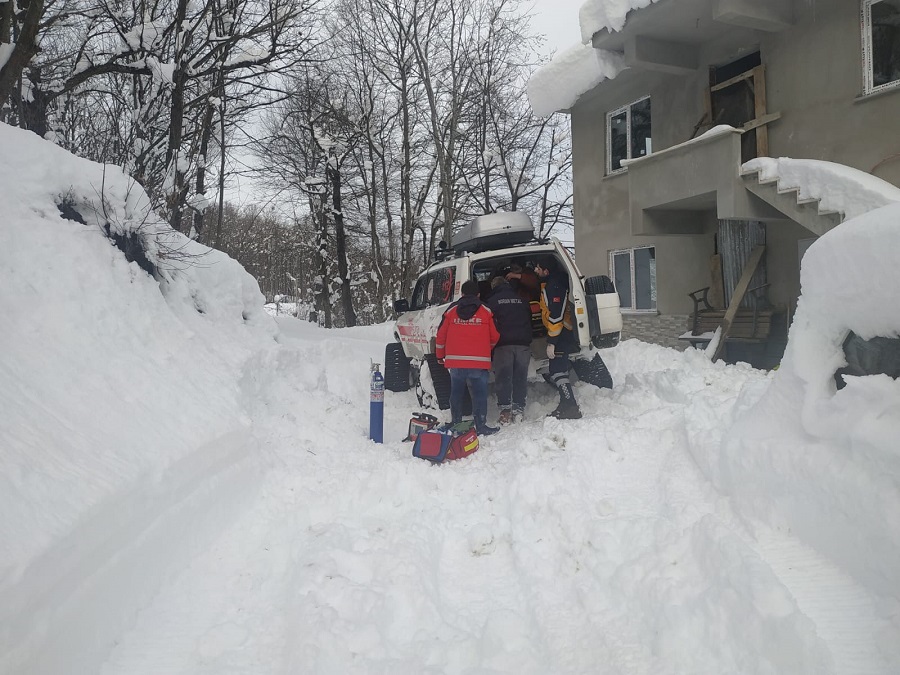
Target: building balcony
{"type": "Point", "coordinates": [686, 189]}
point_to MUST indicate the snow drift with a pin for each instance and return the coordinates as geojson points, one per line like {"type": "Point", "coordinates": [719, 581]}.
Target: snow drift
{"type": "Point", "coordinates": [836, 452]}
{"type": "Point", "coordinates": [118, 393]}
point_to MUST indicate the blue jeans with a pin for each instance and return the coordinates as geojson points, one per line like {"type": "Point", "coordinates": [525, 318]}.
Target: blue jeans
{"type": "Point", "coordinates": [477, 381]}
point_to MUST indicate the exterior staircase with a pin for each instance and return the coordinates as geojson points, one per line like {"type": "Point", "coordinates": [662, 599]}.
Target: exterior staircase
{"type": "Point", "coordinates": [807, 211]}
{"type": "Point", "coordinates": [809, 191]}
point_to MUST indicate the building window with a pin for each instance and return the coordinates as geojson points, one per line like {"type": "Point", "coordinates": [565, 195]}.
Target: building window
{"type": "Point", "coordinates": [627, 134]}
{"type": "Point", "coordinates": [634, 273]}
{"type": "Point", "coordinates": [881, 44]}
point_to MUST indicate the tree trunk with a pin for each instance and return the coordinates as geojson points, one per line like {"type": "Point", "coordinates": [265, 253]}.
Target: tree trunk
{"type": "Point", "coordinates": [334, 174]}
{"type": "Point", "coordinates": [200, 184]}
{"type": "Point", "coordinates": [25, 43]}
{"type": "Point", "coordinates": [322, 249]}
{"type": "Point", "coordinates": [220, 217]}
{"type": "Point", "coordinates": [176, 120]}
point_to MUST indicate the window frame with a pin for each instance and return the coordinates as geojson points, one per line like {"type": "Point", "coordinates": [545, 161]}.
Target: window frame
{"type": "Point", "coordinates": [628, 131]}
{"type": "Point", "coordinates": [865, 22]}
{"type": "Point", "coordinates": [631, 309]}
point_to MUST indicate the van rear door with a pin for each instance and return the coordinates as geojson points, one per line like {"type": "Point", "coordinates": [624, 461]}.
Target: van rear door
{"type": "Point", "coordinates": [597, 316]}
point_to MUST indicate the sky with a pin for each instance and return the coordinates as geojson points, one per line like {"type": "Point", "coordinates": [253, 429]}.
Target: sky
{"type": "Point", "coordinates": [558, 20]}
{"type": "Point", "coordinates": [187, 487]}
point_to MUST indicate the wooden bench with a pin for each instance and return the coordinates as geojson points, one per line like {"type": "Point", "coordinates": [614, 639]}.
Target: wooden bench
{"type": "Point", "coordinates": [737, 324]}
{"type": "Point", "coordinates": [751, 324]}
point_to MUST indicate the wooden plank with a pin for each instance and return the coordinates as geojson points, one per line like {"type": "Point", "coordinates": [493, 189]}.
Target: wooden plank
{"type": "Point", "coordinates": [759, 124]}
{"type": "Point", "coordinates": [760, 106]}
{"type": "Point", "coordinates": [717, 321]}
{"type": "Point", "coordinates": [742, 330]}
{"type": "Point", "coordinates": [716, 317]}
{"type": "Point", "coordinates": [761, 326]}
{"type": "Point", "coordinates": [734, 80]}
{"type": "Point", "coordinates": [739, 291]}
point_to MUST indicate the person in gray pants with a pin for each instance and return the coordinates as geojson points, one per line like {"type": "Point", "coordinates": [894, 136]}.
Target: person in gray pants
{"type": "Point", "coordinates": [512, 355]}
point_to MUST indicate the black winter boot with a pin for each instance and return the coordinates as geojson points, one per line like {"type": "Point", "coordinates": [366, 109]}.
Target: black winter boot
{"type": "Point", "coordinates": [568, 407]}
{"type": "Point", "coordinates": [482, 429]}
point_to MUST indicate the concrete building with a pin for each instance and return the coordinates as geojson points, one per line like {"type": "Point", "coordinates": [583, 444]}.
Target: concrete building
{"type": "Point", "coordinates": [665, 202]}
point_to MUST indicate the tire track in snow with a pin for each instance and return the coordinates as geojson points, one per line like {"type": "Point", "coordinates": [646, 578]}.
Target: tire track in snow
{"type": "Point", "coordinates": [843, 611]}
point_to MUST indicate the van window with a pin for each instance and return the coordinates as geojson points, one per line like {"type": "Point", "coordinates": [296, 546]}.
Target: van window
{"type": "Point", "coordinates": [442, 292]}
{"type": "Point", "coordinates": [418, 299]}
{"type": "Point", "coordinates": [435, 288]}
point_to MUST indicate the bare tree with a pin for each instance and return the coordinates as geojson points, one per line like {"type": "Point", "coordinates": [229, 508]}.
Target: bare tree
{"type": "Point", "coordinates": [173, 64]}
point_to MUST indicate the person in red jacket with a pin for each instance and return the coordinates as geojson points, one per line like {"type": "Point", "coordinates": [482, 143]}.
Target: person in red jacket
{"type": "Point", "coordinates": [465, 338]}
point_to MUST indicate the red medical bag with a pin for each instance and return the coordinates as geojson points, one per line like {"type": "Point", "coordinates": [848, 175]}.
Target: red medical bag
{"type": "Point", "coordinates": [439, 446]}
{"type": "Point", "coordinates": [432, 445]}
{"type": "Point", "coordinates": [463, 445]}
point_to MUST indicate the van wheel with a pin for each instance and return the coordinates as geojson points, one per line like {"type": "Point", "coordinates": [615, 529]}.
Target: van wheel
{"type": "Point", "coordinates": [606, 341]}
{"type": "Point", "coordinates": [433, 387]}
{"type": "Point", "coordinates": [396, 368]}
{"type": "Point", "coordinates": [593, 372]}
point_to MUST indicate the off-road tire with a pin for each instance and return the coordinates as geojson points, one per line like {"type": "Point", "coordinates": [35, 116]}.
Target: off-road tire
{"type": "Point", "coordinates": [593, 372]}
{"type": "Point", "coordinates": [396, 368]}
{"type": "Point", "coordinates": [607, 341]}
{"type": "Point", "coordinates": [440, 377]}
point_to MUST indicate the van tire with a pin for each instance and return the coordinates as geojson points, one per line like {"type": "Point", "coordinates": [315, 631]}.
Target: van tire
{"type": "Point", "coordinates": [396, 368]}
{"type": "Point", "coordinates": [593, 372]}
{"type": "Point", "coordinates": [440, 379]}
{"type": "Point", "coordinates": [606, 341]}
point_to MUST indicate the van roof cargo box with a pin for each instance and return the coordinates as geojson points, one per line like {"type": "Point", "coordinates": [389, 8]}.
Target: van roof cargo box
{"type": "Point", "coordinates": [494, 230]}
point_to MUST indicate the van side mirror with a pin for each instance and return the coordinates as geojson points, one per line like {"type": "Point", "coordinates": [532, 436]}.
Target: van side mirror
{"type": "Point", "coordinates": [401, 306]}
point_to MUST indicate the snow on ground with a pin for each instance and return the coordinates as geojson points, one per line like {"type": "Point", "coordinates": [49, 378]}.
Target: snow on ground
{"type": "Point", "coordinates": [119, 399]}
{"type": "Point", "coordinates": [551, 550]}
{"type": "Point", "coordinates": [183, 494]}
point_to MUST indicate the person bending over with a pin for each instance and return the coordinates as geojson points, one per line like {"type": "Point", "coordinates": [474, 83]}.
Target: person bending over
{"type": "Point", "coordinates": [512, 355]}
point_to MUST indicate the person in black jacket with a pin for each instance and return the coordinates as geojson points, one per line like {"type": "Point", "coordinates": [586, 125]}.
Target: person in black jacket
{"type": "Point", "coordinates": [556, 313]}
{"type": "Point", "coordinates": [512, 355]}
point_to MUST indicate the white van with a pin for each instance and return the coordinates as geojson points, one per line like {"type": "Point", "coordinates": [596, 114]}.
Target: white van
{"type": "Point", "coordinates": [488, 245]}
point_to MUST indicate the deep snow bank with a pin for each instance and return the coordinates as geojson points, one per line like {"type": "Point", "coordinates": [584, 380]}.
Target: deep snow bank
{"type": "Point", "coordinates": [95, 356]}
{"type": "Point", "coordinates": [822, 463]}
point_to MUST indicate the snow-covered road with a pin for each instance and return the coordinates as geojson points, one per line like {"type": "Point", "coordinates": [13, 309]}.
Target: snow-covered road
{"type": "Point", "coordinates": [185, 491]}
{"type": "Point", "coordinates": [567, 547]}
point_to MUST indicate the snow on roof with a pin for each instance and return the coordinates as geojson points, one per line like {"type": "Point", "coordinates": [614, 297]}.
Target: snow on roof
{"type": "Point", "coordinates": [570, 74]}
{"type": "Point", "coordinates": [841, 189]}
{"type": "Point", "coordinates": [575, 71]}
{"type": "Point", "coordinates": [597, 15]}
